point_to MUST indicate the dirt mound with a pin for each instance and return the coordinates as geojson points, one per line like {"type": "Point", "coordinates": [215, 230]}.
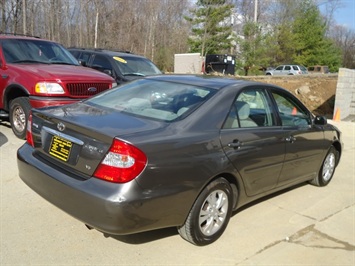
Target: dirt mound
{"type": "Point", "coordinates": [316, 91]}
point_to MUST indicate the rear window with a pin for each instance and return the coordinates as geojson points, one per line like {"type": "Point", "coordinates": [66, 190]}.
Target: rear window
{"type": "Point", "coordinates": [303, 68]}
{"type": "Point", "coordinates": [154, 99]}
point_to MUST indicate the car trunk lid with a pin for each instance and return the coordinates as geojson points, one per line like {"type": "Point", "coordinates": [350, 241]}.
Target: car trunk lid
{"type": "Point", "coordinates": [77, 137]}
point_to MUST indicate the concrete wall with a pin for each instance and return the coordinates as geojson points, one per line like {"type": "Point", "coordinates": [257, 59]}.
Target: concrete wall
{"type": "Point", "coordinates": [188, 63]}
{"type": "Point", "coordinates": [345, 94]}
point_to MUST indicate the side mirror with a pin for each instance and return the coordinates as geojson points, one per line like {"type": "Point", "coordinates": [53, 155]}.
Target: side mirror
{"type": "Point", "coordinates": [108, 72]}
{"type": "Point", "coordinates": [82, 62]}
{"type": "Point", "coordinates": [320, 120]}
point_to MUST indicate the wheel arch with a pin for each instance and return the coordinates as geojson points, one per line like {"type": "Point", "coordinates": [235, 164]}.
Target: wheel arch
{"type": "Point", "coordinates": [337, 145]}
{"type": "Point", "coordinates": [191, 230]}
{"type": "Point", "coordinates": [235, 185]}
{"type": "Point", "coordinates": [12, 92]}
{"type": "Point", "coordinates": [231, 179]}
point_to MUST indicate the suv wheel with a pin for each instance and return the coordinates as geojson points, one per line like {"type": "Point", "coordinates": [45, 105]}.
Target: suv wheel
{"type": "Point", "coordinates": [19, 110]}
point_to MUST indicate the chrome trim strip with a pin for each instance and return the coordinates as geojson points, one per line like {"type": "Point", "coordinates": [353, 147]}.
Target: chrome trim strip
{"type": "Point", "coordinates": [62, 135]}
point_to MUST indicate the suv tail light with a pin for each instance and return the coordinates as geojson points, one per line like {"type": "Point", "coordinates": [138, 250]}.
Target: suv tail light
{"type": "Point", "coordinates": [122, 163]}
{"type": "Point", "coordinates": [29, 137]}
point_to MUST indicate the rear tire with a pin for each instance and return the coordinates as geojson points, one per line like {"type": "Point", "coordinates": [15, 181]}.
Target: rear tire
{"type": "Point", "coordinates": [209, 215]}
{"type": "Point", "coordinates": [19, 111]}
{"type": "Point", "coordinates": [326, 172]}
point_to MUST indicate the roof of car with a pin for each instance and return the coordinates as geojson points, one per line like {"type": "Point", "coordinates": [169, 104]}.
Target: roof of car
{"type": "Point", "coordinates": [24, 37]}
{"type": "Point", "coordinates": [202, 80]}
{"type": "Point", "coordinates": [107, 52]}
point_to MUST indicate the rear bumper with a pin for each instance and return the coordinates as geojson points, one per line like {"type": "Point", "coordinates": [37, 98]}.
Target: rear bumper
{"type": "Point", "coordinates": [38, 102]}
{"type": "Point", "coordinates": [116, 209]}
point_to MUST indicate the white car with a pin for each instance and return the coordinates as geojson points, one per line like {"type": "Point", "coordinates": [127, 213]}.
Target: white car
{"type": "Point", "coordinates": [287, 70]}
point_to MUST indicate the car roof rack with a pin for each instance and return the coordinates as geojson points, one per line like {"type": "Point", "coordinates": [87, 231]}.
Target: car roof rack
{"type": "Point", "coordinates": [113, 50]}
{"type": "Point", "coordinates": [18, 34]}
{"type": "Point", "coordinates": [101, 49]}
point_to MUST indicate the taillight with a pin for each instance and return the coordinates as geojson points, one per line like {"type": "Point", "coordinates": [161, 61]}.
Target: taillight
{"type": "Point", "coordinates": [29, 137]}
{"type": "Point", "coordinates": [122, 163]}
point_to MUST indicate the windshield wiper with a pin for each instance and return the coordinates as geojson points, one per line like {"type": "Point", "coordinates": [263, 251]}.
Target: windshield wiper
{"type": "Point", "coordinates": [30, 61]}
{"type": "Point", "coordinates": [61, 63]}
{"type": "Point", "coordinates": [134, 74]}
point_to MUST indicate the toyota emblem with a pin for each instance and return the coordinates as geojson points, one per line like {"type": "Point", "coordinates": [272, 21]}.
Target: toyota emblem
{"type": "Point", "coordinates": [60, 126]}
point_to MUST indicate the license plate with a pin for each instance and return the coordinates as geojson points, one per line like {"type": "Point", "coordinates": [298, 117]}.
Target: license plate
{"type": "Point", "coordinates": [60, 148]}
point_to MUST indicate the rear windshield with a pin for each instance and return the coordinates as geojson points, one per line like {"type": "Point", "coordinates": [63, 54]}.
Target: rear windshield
{"type": "Point", "coordinates": [303, 68]}
{"type": "Point", "coordinates": [154, 99]}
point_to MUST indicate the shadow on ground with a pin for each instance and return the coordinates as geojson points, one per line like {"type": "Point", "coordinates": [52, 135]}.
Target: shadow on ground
{"type": "Point", "coordinates": [3, 138]}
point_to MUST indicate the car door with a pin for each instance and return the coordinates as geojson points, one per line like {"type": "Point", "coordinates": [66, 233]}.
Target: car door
{"type": "Point", "coordinates": [83, 58]}
{"type": "Point", "coordinates": [103, 64]}
{"type": "Point", "coordinates": [305, 143]}
{"type": "Point", "coordinates": [278, 71]}
{"type": "Point", "coordinates": [287, 70]}
{"type": "Point", "coordinates": [253, 142]}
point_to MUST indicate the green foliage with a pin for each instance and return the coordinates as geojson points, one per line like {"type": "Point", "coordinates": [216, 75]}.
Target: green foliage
{"type": "Point", "coordinates": [253, 48]}
{"type": "Point", "coordinates": [303, 40]}
{"type": "Point", "coordinates": [164, 60]}
{"type": "Point", "coordinates": [210, 32]}
{"type": "Point", "coordinates": [284, 46]}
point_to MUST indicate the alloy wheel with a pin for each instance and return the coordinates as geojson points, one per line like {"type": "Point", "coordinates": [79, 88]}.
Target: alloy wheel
{"type": "Point", "coordinates": [213, 212]}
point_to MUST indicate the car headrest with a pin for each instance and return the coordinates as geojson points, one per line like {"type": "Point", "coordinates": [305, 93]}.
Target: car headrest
{"type": "Point", "coordinates": [243, 109]}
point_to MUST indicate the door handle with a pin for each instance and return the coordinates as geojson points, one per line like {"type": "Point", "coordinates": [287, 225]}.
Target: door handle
{"type": "Point", "coordinates": [236, 144]}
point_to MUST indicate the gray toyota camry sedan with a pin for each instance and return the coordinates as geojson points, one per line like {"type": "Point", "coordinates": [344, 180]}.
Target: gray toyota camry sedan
{"type": "Point", "coordinates": [175, 151]}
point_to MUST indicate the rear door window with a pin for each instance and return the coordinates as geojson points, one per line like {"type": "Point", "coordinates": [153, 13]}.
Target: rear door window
{"type": "Point", "coordinates": [251, 109]}
{"type": "Point", "coordinates": [85, 57]}
{"type": "Point", "coordinates": [101, 63]}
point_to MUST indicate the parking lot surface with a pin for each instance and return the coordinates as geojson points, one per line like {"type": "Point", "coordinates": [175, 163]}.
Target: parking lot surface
{"type": "Point", "coordinates": [306, 225]}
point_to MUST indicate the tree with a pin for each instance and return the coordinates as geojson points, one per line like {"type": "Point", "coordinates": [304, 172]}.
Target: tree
{"type": "Point", "coordinates": [285, 46]}
{"type": "Point", "coordinates": [330, 7]}
{"type": "Point", "coordinates": [253, 47]}
{"type": "Point", "coordinates": [312, 47]}
{"type": "Point", "coordinates": [345, 40]}
{"type": "Point", "coordinates": [286, 31]}
{"type": "Point", "coordinates": [211, 27]}
{"type": "Point", "coordinates": [11, 16]}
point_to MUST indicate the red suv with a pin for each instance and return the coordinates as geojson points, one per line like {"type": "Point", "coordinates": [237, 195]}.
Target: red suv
{"type": "Point", "coordinates": [37, 73]}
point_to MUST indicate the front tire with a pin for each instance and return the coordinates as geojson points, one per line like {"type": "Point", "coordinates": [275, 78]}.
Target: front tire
{"type": "Point", "coordinates": [209, 215]}
{"type": "Point", "coordinates": [326, 172]}
{"type": "Point", "coordinates": [19, 111]}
